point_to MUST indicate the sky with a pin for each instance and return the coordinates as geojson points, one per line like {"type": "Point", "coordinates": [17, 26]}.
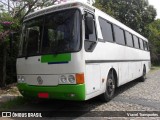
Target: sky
{"type": "Point", "coordinates": [156, 4]}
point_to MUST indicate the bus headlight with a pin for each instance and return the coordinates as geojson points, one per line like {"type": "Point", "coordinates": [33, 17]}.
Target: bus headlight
{"type": "Point", "coordinates": [63, 79]}
{"type": "Point", "coordinates": [19, 78]}
{"type": "Point", "coordinates": [71, 79]}
{"type": "Point", "coordinates": [22, 79]}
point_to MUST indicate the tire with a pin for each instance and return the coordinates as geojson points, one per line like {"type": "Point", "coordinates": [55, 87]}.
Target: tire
{"type": "Point", "coordinates": [143, 77]}
{"type": "Point", "coordinates": [110, 88]}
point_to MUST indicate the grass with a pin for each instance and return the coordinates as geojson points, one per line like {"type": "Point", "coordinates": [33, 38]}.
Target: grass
{"type": "Point", "coordinates": [153, 68]}
{"type": "Point", "coordinates": [12, 103]}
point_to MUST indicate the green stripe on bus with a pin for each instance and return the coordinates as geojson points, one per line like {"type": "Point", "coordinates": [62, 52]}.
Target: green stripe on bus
{"type": "Point", "coordinates": [62, 92]}
{"type": "Point", "coordinates": [56, 58]}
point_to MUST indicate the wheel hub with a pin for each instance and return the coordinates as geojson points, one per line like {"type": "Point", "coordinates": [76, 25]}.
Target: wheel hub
{"type": "Point", "coordinates": [110, 86]}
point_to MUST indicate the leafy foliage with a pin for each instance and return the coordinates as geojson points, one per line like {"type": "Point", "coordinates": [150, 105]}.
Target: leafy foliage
{"type": "Point", "coordinates": [10, 21]}
{"type": "Point", "coordinates": [136, 14]}
{"type": "Point", "coordinates": [154, 37]}
{"type": "Point", "coordinates": [7, 63]}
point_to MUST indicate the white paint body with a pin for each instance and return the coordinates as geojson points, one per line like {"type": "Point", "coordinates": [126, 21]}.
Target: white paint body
{"type": "Point", "coordinates": [126, 71]}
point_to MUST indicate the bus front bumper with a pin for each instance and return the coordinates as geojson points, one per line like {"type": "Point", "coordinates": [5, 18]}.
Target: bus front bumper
{"type": "Point", "coordinates": [62, 92]}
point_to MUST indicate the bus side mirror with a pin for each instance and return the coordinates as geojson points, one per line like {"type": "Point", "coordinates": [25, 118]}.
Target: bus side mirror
{"type": "Point", "coordinates": [89, 25]}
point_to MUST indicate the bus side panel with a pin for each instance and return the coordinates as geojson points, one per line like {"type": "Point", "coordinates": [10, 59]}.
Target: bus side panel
{"type": "Point", "coordinates": [102, 79]}
{"type": "Point", "coordinates": [133, 70]}
{"type": "Point", "coordinates": [123, 72]}
{"type": "Point", "coordinates": [148, 66]}
{"type": "Point", "coordinates": [129, 71]}
{"type": "Point", "coordinates": [92, 78]}
{"type": "Point", "coordinates": [105, 68]}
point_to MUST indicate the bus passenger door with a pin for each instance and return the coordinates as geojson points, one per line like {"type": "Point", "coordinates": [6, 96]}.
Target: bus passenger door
{"type": "Point", "coordinates": [92, 78]}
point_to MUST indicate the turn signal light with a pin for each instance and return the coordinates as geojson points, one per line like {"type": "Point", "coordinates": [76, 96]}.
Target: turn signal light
{"type": "Point", "coordinates": [80, 78]}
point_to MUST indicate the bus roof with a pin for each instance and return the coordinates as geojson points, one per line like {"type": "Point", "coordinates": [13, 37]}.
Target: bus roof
{"type": "Point", "coordinates": [57, 7]}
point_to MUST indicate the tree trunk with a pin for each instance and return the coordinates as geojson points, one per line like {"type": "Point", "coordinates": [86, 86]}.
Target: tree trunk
{"type": "Point", "coordinates": [3, 78]}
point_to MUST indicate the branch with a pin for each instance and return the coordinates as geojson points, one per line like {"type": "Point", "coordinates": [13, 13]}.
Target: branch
{"type": "Point", "coordinates": [29, 10]}
{"type": "Point", "coordinates": [3, 35]}
{"type": "Point", "coordinates": [6, 4]}
{"type": "Point", "coordinates": [20, 11]}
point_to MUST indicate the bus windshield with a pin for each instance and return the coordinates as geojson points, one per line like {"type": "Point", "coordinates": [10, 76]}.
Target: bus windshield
{"type": "Point", "coordinates": [54, 33]}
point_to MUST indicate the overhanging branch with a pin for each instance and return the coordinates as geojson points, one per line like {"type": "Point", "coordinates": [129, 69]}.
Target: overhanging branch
{"type": "Point", "coordinates": [6, 4]}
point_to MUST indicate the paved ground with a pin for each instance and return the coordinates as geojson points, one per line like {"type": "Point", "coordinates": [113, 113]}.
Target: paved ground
{"type": "Point", "coordinates": [134, 96]}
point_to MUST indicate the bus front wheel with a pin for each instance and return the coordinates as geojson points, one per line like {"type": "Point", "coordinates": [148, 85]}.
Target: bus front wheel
{"type": "Point", "coordinates": [110, 88]}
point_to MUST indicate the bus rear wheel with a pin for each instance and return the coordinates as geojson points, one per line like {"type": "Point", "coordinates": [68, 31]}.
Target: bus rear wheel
{"type": "Point", "coordinates": [143, 77]}
{"type": "Point", "coordinates": [110, 88]}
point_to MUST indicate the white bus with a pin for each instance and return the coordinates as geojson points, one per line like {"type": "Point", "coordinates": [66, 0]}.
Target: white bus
{"type": "Point", "coordinates": [73, 51]}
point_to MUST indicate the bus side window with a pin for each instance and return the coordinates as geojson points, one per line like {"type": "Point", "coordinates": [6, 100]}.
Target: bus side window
{"type": "Point", "coordinates": [147, 46]}
{"type": "Point", "coordinates": [106, 29]}
{"type": "Point", "coordinates": [136, 43]}
{"type": "Point", "coordinates": [129, 39]}
{"type": "Point", "coordinates": [141, 44]}
{"type": "Point", "coordinates": [119, 35]}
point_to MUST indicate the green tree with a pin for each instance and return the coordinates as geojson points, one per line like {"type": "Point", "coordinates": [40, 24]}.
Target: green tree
{"type": "Point", "coordinates": [10, 21]}
{"type": "Point", "coordinates": [20, 8]}
{"type": "Point", "coordinates": [154, 37]}
{"type": "Point", "coordinates": [7, 25]}
{"type": "Point", "coordinates": [105, 6]}
{"type": "Point", "coordinates": [136, 14]}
